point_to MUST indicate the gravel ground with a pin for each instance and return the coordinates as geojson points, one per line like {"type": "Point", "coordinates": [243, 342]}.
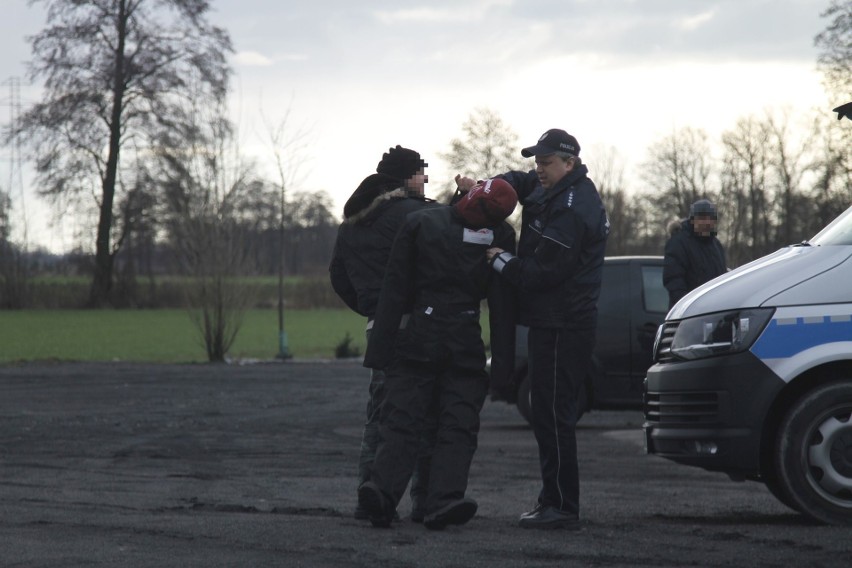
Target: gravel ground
{"type": "Point", "coordinates": [254, 465]}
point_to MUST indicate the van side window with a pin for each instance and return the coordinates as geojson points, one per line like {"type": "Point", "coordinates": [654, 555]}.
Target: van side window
{"type": "Point", "coordinates": [654, 294]}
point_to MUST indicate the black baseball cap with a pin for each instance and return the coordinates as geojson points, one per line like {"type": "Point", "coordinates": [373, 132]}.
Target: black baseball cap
{"type": "Point", "coordinates": [552, 141]}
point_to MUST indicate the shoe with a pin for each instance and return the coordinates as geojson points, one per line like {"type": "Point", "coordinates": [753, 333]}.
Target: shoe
{"type": "Point", "coordinates": [538, 507]}
{"type": "Point", "coordinates": [550, 518]}
{"type": "Point", "coordinates": [456, 513]}
{"type": "Point", "coordinates": [361, 514]}
{"type": "Point", "coordinates": [379, 509]}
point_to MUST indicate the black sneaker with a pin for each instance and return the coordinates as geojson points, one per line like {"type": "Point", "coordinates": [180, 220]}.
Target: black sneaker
{"type": "Point", "coordinates": [456, 513]}
{"type": "Point", "coordinates": [550, 518]}
{"type": "Point", "coordinates": [361, 514]}
{"type": "Point", "coordinates": [379, 509]}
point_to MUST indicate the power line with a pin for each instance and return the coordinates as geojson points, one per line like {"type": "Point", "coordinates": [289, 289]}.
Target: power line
{"type": "Point", "coordinates": [16, 170]}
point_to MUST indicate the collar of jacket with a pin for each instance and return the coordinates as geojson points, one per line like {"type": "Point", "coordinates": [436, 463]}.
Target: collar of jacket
{"type": "Point", "coordinates": [398, 193]}
{"type": "Point", "coordinates": [543, 196]}
{"type": "Point", "coordinates": [571, 178]}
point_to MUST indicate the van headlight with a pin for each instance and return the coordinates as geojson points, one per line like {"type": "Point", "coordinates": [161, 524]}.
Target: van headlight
{"type": "Point", "coordinates": [722, 333]}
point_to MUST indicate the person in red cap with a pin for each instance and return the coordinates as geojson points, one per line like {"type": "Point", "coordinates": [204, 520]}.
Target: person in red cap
{"type": "Point", "coordinates": [371, 218]}
{"type": "Point", "coordinates": [427, 339]}
{"type": "Point", "coordinates": [557, 273]}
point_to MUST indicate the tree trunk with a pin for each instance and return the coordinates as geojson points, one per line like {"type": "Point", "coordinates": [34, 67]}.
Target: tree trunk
{"type": "Point", "coordinates": [99, 295]}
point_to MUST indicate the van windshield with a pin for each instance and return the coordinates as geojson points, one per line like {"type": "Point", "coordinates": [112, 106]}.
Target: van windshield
{"type": "Point", "coordinates": [838, 232]}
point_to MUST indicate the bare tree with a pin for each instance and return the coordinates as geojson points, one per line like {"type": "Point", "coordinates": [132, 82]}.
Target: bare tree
{"type": "Point", "coordinates": [624, 212]}
{"type": "Point", "coordinates": [14, 264]}
{"type": "Point", "coordinates": [678, 172]}
{"type": "Point", "coordinates": [835, 45]}
{"type": "Point", "coordinates": [5, 208]}
{"type": "Point", "coordinates": [832, 166]}
{"type": "Point", "coordinates": [285, 145]}
{"type": "Point", "coordinates": [766, 181]}
{"type": "Point", "coordinates": [488, 147]}
{"type": "Point", "coordinates": [310, 228]}
{"type": "Point", "coordinates": [787, 159]}
{"type": "Point", "coordinates": [137, 217]}
{"type": "Point", "coordinates": [834, 140]}
{"type": "Point", "coordinates": [205, 179]}
{"type": "Point", "coordinates": [113, 72]}
{"type": "Point", "coordinates": [746, 193]}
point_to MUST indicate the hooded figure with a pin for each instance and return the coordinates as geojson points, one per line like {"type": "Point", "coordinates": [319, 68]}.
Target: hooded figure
{"type": "Point", "coordinates": [372, 216]}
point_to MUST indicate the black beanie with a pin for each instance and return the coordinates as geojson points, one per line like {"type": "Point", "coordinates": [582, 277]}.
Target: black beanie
{"type": "Point", "coordinates": [400, 163]}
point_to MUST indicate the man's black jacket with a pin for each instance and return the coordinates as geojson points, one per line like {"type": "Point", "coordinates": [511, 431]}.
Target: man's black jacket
{"type": "Point", "coordinates": [561, 250]}
{"type": "Point", "coordinates": [690, 261]}
{"type": "Point", "coordinates": [438, 270]}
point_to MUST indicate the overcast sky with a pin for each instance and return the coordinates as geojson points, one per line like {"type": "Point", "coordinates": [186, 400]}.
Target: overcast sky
{"type": "Point", "coordinates": [360, 76]}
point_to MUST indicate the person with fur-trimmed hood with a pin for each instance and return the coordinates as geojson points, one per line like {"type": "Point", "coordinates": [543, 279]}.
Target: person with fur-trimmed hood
{"type": "Point", "coordinates": [372, 217]}
{"type": "Point", "coordinates": [693, 254]}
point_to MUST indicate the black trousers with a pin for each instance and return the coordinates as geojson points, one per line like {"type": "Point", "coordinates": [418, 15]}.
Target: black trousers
{"type": "Point", "coordinates": [559, 360]}
{"type": "Point", "coordinates": [370, 442]}
{"type": "Point", "coordinates": [438, 375]}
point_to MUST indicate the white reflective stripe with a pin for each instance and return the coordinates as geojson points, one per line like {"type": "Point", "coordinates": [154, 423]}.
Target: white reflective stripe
{"type": "Point", "coordinates": [555, 241]}
{"type": "Point", "coordinates": [500, 261]}
{"type": "Point", "coordinates": [403, 321]}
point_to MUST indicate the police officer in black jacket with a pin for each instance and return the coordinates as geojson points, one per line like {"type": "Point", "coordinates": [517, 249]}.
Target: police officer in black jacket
{"type": "Point", "coordinates": [428, 340]}
{"type": "Point", "coordinates": [372, 217]}
{"type": "Point", "coordinates": [557, 272]}
{"type": "Point", "coordinates": [693, 254]}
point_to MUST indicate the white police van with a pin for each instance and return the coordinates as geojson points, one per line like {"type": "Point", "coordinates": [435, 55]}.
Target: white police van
{"type": "Point", "coordinates": [753, 375]}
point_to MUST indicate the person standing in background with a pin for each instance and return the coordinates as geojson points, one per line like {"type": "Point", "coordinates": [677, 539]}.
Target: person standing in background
{"type": "Point", "coordinates": [693, 254]}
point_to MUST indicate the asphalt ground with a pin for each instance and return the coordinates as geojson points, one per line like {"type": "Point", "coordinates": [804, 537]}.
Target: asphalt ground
{"type": "Point", "coordinates": [254, 465]}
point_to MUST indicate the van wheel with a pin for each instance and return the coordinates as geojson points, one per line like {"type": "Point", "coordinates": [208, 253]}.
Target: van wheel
{"type": "Point", "coordinates": [525, 407]}
{"type": "Point", "coordinates": [813, 458]}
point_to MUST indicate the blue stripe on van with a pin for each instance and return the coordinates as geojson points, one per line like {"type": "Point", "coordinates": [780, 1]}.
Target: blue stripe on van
{"type": "Point", "coordinates": [784, 338]}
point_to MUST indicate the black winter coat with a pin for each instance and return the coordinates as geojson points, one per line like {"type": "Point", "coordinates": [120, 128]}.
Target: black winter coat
{"type": "Point", "coordinates": [439, 274]}
{"type": "Point", "coordinates": [363, 246]}
{"type": "Point", "coordinates": [560, 252]}
{"type": "Point", "coordinates": [690, 261]}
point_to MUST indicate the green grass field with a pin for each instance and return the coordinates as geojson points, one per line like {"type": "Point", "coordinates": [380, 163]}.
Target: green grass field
{"type": "Point", "coordinates": [166, 335]}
